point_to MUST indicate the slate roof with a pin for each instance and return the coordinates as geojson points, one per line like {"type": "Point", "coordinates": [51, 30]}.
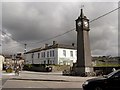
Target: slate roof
{"type": "Point", "coordinates": [52, 47]}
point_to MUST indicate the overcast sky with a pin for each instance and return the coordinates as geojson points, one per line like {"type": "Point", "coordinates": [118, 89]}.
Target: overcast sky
{"type": "Point", "coordinates": [33, 22]}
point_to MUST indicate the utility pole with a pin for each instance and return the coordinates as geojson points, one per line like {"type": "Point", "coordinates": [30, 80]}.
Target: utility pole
{"type": "Point", "coordinates": [14, 61]}
{"type": "Point", "coordinates": [25, 46]}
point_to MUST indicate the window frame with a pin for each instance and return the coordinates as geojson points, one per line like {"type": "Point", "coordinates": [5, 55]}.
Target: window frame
{"type": "Point", "coordinates": [64, 53]}
{"type": "Point", "coordinates": [71, 53]}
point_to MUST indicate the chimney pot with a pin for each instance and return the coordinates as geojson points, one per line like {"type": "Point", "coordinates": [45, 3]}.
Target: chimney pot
{"type": "Point", "coordinates": [54, 42]}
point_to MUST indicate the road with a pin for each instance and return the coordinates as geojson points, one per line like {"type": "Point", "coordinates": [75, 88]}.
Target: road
{"type": "Point", "coordinates": [4, 80]}
{"type": "Point", "coordinates": [42, 81]}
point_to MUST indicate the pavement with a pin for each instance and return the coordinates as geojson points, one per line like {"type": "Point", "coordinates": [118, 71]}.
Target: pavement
{"type": "Point", "coordinates": [53, 76]}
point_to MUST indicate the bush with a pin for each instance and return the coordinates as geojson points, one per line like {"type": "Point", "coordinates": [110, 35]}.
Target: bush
{"type": "Point", "coordinates": [9, 70]}
{"type": "Point", "coordinates": [27, 66]}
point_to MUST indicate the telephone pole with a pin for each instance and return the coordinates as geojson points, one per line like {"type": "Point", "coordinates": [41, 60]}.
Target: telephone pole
{"type": "Point", "coordinates": [25, 46]}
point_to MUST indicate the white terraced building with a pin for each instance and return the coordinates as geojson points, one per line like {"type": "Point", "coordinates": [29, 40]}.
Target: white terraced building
{"type": "Point", "coordinates": [58, 54]}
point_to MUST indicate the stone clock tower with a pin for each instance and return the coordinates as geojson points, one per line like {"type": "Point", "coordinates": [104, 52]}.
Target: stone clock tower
{"type": "Point", "coordinates": [84, 62]}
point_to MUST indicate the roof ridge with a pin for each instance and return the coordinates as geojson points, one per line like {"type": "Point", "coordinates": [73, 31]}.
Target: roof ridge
{"type": "Point", "coordinates": [65, 46]}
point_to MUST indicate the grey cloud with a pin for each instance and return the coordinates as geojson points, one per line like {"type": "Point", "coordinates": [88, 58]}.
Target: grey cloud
{"type": "Point", "coordinates": [34, 22]}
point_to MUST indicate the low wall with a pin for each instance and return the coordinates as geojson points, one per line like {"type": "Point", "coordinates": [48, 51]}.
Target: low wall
{"type": "Point", "coordinates": [105, 70]}
{"type": "Point", "coordinates": [42, 68]}
{"type": "Point", "coordinates": [59, 67]}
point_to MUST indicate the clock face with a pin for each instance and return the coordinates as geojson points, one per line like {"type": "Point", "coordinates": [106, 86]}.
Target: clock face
{"type": "Point", "coordinates": [79, 23]}
{"type": "Point", "coordinates": [85, 23]}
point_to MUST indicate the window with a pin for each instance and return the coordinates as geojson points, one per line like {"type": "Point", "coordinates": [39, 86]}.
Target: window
{"type": "Point", "coordinates": [50, 53]}
{"type": "Point", "coordinates": [32, 55]}
{"type": "Point", "coordinates": [44, 62]}
{"type": "Point", "coordinates": [47, 53]}
{"type": "Point", "coordinates": [64, 53]}
{"type": "Point", "coordinates": [117, 75]}
{"type": "Point", "coordinates": [48, 61]}
{"type": "Point", "coordinates": [71, 53]}
{"type": "Point", "coordinates": [43, 54]}
{"type": "Point", "coordinates": [38, 55]}
{"type": "Point", "coordinates": [53, 53]}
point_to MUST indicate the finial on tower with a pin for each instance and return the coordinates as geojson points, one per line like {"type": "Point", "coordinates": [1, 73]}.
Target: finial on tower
{"type": "Point", "coordinates": [82, 15]}
{"type": "Point", "coordinates": [82, 6]}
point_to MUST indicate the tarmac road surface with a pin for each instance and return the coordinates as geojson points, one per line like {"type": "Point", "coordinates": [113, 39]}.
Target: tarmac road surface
{"type": "Point", "coordinates": [42, 81]}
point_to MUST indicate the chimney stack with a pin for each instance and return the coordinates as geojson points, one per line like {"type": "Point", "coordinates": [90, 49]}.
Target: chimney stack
{"type": "Point", "coordinates": [46, 45]}
{"type": "Point", "coordinates": [54, 42]}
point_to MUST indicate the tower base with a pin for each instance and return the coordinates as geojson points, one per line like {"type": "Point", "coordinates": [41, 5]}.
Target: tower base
{"type": "Point", "coordinates": [82, 71]}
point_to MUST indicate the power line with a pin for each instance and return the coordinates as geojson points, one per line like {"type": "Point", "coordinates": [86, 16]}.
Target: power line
{"type": "Point", "coordinates": [3, 32]}
{"type": "Point", "coordinates": [75, 28]}
{"type": "Point", "coordinates": [71, 29]}
{"type": "Point", "coordinates": [55, 36]}
{"type": "Point", "coordinates": [104, 14]}
{"type": "Point", "coordinates": [7, 35]}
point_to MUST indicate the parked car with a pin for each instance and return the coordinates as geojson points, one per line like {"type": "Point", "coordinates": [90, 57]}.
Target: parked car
{"type": "Point", "coordinates": [48, 69]}
{"type": "Point", "coordinates": [107, 82]}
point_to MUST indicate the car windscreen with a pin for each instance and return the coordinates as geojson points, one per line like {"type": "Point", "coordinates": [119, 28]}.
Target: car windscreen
{"type": "Point", "coordinates": [111, 74]}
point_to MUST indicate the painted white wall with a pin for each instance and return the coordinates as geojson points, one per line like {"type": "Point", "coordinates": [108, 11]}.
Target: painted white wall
{"type": "Point", "coordinates": [41, 60]}
{"type": "Point", "coordinates": [28, 59]}
{"type": "Point", "coordinates": [58, 58]}
{"type": "Point", "coordinates": [1, 62]}
{"type": "Point", "coordinates": [68, 57]}
{"type": "Point", "coordinates": [36, 60]}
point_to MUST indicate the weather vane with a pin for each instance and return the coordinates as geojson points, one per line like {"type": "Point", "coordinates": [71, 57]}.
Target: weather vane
{"type": "Point", "coordinates": [82, 6]}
